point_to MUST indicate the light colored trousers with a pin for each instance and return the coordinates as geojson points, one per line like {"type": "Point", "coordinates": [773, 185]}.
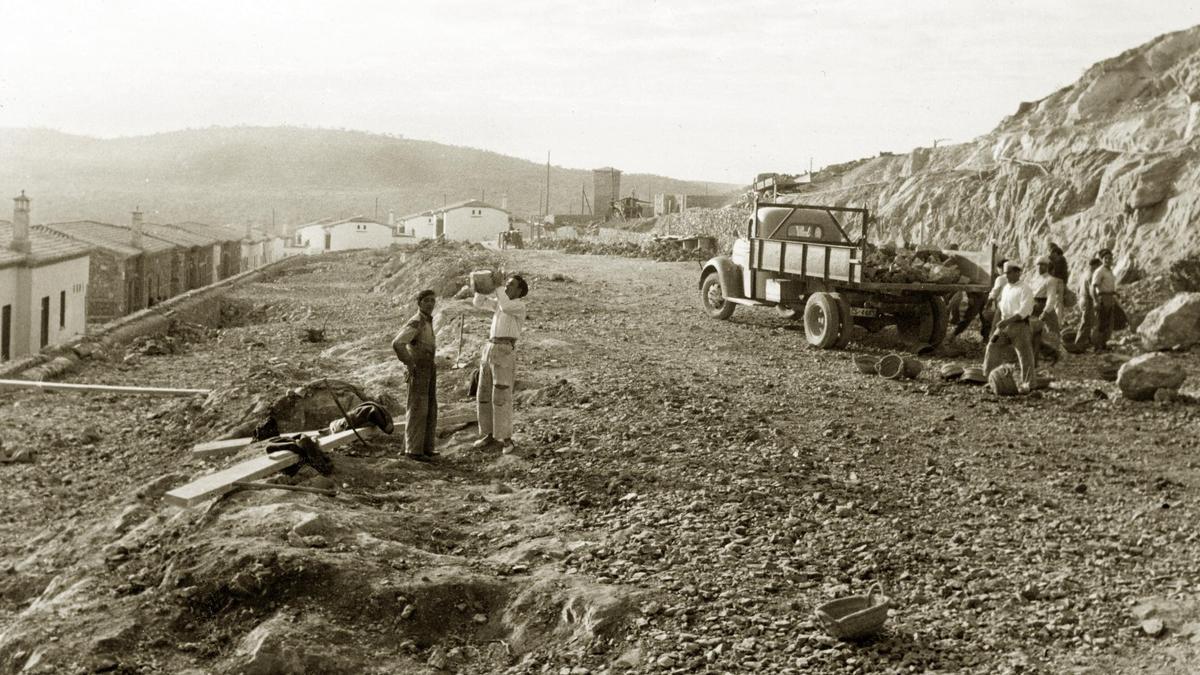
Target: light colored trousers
{"type": "Point", "coordinates": [1021, 341]}
{"type": "Point", "coordinates": [497, 373]}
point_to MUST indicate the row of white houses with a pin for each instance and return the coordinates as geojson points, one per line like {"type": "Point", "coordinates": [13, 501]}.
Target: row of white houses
{"type": "Point", "coordinates": [472, 220]}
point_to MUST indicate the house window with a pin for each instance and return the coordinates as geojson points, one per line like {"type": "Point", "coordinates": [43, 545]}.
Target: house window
{"type": "Point", "coordinates": [5, 333]}
{"type": "Point", "coordinates": [62, 310]}
{"type": "Point", "coordinates": [44, 338]}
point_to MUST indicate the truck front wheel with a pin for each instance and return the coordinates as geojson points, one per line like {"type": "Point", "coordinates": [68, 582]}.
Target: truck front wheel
{"type": "Point", "coordinates": [715, 304]}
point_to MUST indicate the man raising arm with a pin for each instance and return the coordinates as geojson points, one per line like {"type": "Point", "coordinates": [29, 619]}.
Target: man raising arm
{"type": "Point", "coordinates": [497, 362]}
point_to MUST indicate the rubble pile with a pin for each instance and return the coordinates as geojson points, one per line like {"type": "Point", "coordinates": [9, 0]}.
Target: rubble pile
{"type": "Point", "coordinates": [442, 266]}
{"type": "Point", "coordinates": [901, 265]}
{"type": "Point", "coordinates": [662, 250]}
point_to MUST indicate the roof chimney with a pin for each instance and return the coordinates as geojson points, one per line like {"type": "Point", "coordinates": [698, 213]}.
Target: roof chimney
{"type": "Point", "coordinates": [135, 226]}
{"type": "Point", "coordinates": [20, 241]}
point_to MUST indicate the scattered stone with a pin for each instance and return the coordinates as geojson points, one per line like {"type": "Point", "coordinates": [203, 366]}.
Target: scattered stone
{"type": "Point", "coordinates": [1173, 324]}
{"type": "Point", "coordinates": [1152, 627]}
{"type": "Point", "coordinates": [1140, 377]}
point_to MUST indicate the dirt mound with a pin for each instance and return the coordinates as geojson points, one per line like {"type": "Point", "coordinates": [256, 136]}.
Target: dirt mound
{"type": "Point", "coordinates": [441, 266]}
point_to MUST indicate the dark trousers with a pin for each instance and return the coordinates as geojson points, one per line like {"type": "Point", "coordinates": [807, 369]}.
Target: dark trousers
{"type": "Point", "coordinates": [1105, 307]}
{"type": "Point", "coordinates": [420, 418]}
{"type": "Point", "coordinates": [976, 303]}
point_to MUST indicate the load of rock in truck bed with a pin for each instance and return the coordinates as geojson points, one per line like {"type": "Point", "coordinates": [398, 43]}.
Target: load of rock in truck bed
{"type": "Point", "coordinates": [890, 264]}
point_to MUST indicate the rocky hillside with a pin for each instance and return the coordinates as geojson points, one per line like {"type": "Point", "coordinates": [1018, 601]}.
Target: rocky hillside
{"type": "Point", "coordinates": [243, 174]}
{"type": "Point", "coordinates": [1106, 161]}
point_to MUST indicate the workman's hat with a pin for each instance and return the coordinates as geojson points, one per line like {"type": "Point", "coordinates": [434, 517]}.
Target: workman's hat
{"type": "Point", "coordinates": [1044, 260]}
{"type": "Point", "coordinates": [1012, 265]}
{"type": "Point", "coordinates": [1103, 252]}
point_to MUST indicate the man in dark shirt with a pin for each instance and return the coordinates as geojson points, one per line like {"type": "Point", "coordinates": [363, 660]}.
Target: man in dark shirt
{"type": "Point", "coordinates": [1058, 264]}
{"type": "Point", "coordinates": [414, 346]}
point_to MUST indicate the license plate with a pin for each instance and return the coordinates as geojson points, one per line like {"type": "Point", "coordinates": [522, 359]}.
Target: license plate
{"type": "Point", "coordinates": [863, 311]}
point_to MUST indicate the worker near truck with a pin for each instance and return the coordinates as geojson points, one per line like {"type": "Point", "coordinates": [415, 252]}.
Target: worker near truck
{"type": "Point", "coordinates": [1104, 295]}
{"type": "Point", "coordinates": [1087, 308]}
{"type": "Point", "coordinates": [1048, 303]}
{"type": "Point", "coordinates": [1058, 264]}
{"type": "Point", "coordinates": [1014, 306]}
{"type": "Point", "coordinates": [497, 363]}
{"type": "Point", "coordinates": [415, 347]}
{"type": "Point", "coordinates": [979, 305]}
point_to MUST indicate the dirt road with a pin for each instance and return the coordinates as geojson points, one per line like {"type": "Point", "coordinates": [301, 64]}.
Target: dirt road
{"type": "Point", "coordinates": [696, 486]}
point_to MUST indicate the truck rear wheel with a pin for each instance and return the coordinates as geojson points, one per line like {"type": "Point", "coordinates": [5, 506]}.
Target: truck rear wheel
{"type": "Point", "coordinates": [847, 320]}
{"type": "Point", "coordinates": [926, 325]}
{"type": "Point", "coordinates": [715, 304]}
{"type": "Point", "coordinates": [822, 321]}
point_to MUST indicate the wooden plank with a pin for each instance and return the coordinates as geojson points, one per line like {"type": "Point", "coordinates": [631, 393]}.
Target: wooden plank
{"type": "Point", "coordinates": [216, 484]}
{"type": "Point", "coordinates": [228, 446]}
{"type": "Point", "coordinates": [101, 388]}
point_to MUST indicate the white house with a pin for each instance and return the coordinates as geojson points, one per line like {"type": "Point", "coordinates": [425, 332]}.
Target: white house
{"type": "Point", "coordinates": [471, 220]}
{"type": "Point", "coordinates": [43, 286]}
{"type": "Point", "coordinates": [343, 235]}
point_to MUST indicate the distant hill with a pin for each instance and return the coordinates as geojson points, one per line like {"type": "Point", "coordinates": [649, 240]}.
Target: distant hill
{"type": "Point", "coordinates": [238, 175]}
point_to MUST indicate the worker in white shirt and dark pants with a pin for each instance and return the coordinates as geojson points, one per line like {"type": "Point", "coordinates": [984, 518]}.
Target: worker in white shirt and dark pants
{"type": "Point", "coordinates": [497, 362]}
{"type": "Point", "coordinates": [1014, 306]}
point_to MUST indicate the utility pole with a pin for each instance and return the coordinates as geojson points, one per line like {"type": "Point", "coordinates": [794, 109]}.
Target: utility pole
{"type": "Point", "coordinates": [547, 182]}
{"type": "Point", "coordinates": [377, 209]}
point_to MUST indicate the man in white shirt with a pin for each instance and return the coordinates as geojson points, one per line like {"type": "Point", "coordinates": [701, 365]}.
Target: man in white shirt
{"type": "Point", "coordinates": [497, 362]}
{"type": "Point", "coordinates": [1104, 294]}
{"type": "Point", "coordinates": [1014, 306]}
{"type": "Point", "coordinates": [1047, 302]}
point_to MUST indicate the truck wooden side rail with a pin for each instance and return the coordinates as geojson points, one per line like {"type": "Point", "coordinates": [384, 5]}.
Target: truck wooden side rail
{"type": "Point", "coordinates": [801, 257]}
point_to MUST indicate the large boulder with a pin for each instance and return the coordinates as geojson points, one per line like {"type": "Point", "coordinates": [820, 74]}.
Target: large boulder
{"type": "Point", "coordinates": [1143, 375]}
{"type": "Point", "coordinates": [1176, 323]}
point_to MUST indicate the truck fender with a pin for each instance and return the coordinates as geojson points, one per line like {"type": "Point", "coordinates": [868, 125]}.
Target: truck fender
{"type": "Point", "coordinates": [729, 274]}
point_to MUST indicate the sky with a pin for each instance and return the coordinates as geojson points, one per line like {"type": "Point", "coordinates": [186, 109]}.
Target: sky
{"type": "Point", "coordinates": [716, 91]}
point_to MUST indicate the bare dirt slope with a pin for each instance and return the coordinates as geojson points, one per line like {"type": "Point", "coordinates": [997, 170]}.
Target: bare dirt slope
{"type": "Point", "coordinates": [686, 492]}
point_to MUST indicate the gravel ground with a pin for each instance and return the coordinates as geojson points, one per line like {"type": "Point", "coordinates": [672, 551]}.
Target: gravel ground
{"type": "Point", "coordinates": [720, 477]}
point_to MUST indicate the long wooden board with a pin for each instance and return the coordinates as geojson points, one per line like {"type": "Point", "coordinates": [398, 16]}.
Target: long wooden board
{"type": "Point", "coordinates": [216, 484]}
{"type": "Point", "coordinates": [101, 388]}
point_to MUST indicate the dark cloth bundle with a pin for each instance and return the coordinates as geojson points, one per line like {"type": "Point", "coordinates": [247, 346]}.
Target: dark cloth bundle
{"type": "Point", "coordinates": [307, 448]}
{"type": "Point", "coordinates": [269, 428]}
{"type": "Point", "coordinates": [367, 412]}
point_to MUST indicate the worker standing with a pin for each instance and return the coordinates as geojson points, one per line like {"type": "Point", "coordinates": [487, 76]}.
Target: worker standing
{"type": "Point", "coordinates": [1058, 264]}
{"type": "Point", "coordinates": [497, 362]}
{"type": "Point", "coordinates": [1014, 307]}
{"type": "Point", "coordinates": [415, 347]}
{"type": "Point", "coordinates": [1048, 302]}
{"type": "Point", "coordinates": [1087, 308]}
{"type": "Point", "coordinates": [1104, 294]}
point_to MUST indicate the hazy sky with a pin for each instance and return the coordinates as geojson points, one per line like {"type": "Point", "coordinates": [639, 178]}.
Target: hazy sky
{"type": "Point", "coordinates": [686, 88]}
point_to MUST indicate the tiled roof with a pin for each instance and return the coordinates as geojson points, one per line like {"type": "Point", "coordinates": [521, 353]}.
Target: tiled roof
{"type": "Point", "coordinates": [45, 247]}
{"type": "Point", "coordinates": [114, 238]}
{"type": "Point", "coordinates": [215, 232]}
{"type": "Point", "coordinates": [177, 236]}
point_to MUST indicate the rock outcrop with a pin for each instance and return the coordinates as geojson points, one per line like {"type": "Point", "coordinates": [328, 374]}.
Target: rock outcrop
{"type": "Point", "coordinates": [1174, 324]}
{"type": "Point", "coordinates": [1105, 162]}
{"type": "Point", "coordinates": [1144, 375]}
